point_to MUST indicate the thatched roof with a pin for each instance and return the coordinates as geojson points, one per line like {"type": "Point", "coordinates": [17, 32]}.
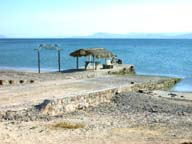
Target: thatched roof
{"type": "Point", "coordinates": [96, 52]}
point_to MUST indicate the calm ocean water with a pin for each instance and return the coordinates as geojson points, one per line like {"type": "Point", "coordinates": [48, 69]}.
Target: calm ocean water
{"type": "Point", "coordinates": [165, 57]}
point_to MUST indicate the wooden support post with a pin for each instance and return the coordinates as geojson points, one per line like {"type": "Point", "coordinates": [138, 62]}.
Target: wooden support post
{"type": "Point", "coordinates": [59, 60]}
{"type": "Point", "coordinates": [94, 62]}
{"type": "Point", "coordinates": [39, 61]}
{"type": "Point", "coordinates": [77, 63]}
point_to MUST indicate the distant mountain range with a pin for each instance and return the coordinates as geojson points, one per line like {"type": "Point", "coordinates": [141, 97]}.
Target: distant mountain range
{"type": "Point", "coordinates": [129, 35]}
{"type": "Point", "coordinates": [140, 35]}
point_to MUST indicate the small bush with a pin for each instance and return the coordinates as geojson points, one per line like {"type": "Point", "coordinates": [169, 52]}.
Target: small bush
{"type": "Point", "coordinates": [69, 125]}
{"type": "Point", "coordinates": [33, 127]}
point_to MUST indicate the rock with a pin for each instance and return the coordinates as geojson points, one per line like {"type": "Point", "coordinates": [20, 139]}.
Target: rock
{"type": "Point", "coordinates": [132, 82]}
{"type": "Point", "coordinates": [140, 91]}
{"type": "Point", "coordinates": [82, 106]}
{"type": "Point", "coordinates": [172, 94]}
{"type": "Point", "coordinates": [70, 108]}
{"type": "Point", "coordinates": [2, 115]}
{"type": "Point", "coordinates": [186, 143]}
{"type": "Point", "coordinates": [43, 105]}
{"type": "Point", "coordinates": [10, 115]}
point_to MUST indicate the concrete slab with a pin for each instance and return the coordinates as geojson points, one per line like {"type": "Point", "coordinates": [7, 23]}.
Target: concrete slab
{"type": "Point", "coordinates": [31, 94]}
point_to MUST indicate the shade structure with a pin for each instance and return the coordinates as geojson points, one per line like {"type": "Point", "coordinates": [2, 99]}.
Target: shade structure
{"type": "Point", "coordinates": [79, 53]}
{"type": "Point", "coordinates": [95, 52]}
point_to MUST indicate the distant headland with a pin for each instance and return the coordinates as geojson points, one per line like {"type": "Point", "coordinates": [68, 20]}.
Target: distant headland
{"type": "Point", "coordinates": [2, 36]}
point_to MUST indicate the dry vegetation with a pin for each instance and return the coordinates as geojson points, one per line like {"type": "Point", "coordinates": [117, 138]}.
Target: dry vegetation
{"type": "Point", "coordinates": [69, 125]}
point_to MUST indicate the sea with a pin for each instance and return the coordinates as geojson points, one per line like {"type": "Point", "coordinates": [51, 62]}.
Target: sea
{"type": "Point", "coordinates": [159, 57]}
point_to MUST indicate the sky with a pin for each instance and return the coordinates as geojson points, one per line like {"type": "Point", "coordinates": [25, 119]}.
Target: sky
{"type": "Point", "coordinates": [56, 18]}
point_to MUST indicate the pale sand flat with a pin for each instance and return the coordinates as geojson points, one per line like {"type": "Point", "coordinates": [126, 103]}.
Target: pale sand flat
{"type": "Point", "coordinates": [173, 95]}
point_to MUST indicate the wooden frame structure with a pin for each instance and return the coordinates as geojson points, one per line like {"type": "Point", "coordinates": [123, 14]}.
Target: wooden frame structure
{"type": "Point", "coordinates": [48, 47]}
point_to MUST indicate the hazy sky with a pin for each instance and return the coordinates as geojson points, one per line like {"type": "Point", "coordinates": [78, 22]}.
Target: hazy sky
{"type": "Point", "coordinates": [50, 18]}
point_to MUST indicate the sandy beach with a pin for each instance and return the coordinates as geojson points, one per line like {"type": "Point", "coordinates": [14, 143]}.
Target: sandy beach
{"type": "Point", "coordinates": [96, 72]}
{"type": "Point", "coordinates": [140, 109]}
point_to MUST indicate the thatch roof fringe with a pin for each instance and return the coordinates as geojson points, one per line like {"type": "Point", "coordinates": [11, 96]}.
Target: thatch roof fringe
{"type": "Point", "coordinates": [96, 52]}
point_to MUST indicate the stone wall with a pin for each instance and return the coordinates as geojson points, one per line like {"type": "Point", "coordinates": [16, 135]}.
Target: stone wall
{"type": "Point", "coordinates": [122, 69]}
{"type": "Point", "coordinates": [68, 104]}
{"type": "Point", "coordinates": [165, 84]}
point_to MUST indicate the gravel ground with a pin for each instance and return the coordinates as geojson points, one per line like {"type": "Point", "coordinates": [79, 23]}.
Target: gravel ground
{"type": "Point", "coordinates": [169, 118]}
{"type": "Point", "coordinates": [129, 118]}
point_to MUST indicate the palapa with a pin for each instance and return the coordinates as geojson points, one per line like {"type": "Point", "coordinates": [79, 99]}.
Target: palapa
{"type": "Point", "coordinates": [94, 52]}
{"type": "Point", "coordinates": [79, 53]}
